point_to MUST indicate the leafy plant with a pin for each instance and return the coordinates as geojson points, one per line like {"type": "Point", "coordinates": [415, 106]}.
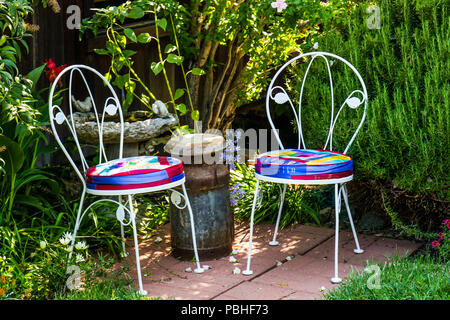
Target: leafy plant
{"type": "Point", "coordinates": [121, 72]}
{"type": "Point", "coordinates": [405, 139]}
{"type": "Point", "coordinates": [301, 205]}
{"type": "Point", "coordinates": [228, 47]}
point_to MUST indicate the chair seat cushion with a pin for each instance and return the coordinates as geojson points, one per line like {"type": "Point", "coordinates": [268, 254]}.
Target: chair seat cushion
{"type": "Point", "coordinates": [134, 171]}
{"type": "Point", "coordinates": [304, 164]}
{"type": "Point", "coordinates": [93, 186]}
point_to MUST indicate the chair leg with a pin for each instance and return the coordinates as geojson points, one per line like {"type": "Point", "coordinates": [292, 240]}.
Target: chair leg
{"type": "Point", "coordinates": [355, 236]}
{"type": "Point", "coordinates": [248, 271]}
{"type": "Point", "coordinates": [122, 234]}
{"type": "Point", "coordinates": [199, 269]}
{"type": "Point", "coordinates": [274, 242]}
{"type": "Point", "coordinates": [336, 278]}
{"type": "Point", "coordinates": [77, 223]}
{"type": "Point", "coordinates": [136, 248]}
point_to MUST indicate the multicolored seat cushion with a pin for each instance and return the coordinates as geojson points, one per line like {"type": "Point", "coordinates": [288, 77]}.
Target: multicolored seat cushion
{"type": "Point", "coordinates": [134, 172]}
{"type": "Point", "coordinates": [304, 164]}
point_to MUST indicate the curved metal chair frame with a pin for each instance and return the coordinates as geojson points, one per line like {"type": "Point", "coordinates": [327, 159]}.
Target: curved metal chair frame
{"type": "Point", "coordinates": [279, 95]}
{"type": "Point", "coordinates": [112, 106]}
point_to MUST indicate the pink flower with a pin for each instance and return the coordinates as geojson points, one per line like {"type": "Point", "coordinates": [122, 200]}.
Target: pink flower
{"type": "Point", "coordinates": [279, 4]}
{"type": "Point", "coordinates": [435, 243]}
{"type": "Point", "coordinates": [441, 236]}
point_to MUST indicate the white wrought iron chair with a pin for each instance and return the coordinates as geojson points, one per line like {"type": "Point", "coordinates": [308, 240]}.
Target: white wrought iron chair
{"type": "Point", "coordinates": [122, 176]}
{"type": "Point", "coordinates": [304, 166]}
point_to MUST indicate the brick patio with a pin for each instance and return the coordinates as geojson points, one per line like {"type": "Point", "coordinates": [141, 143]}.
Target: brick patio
{"type": "Point", "coordinates": [303, 276]}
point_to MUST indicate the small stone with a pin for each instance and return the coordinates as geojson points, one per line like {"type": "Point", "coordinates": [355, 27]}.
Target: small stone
{"type": "Point", "coordinates": [236, 270]}
{"type": "Point", "coordinates": [160, 108]}
{"type": "Point", "coordinates": [158, 240]}
{"type": "Point", "coordinates": [206, 267]}
{"type": "Point", "coordinates": [289, 258]}
{"type": "Point", "coordinates": [232, 259]}
{"type": "Point", "coordinates": [189, 269]}
{"type": "Point", "coordinates": [234, 252]}
{"type": "Point", "coordinates": [82, 106]}
{"type": "Point", "coordinates": [278, 263]}
{"type": "Point", "coordinates": [322, 289]}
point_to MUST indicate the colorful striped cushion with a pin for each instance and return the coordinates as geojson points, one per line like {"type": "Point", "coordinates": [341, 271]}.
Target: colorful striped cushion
{"type": "Point", "coordinates": [134, 171]}
{"type": "Point", "coordinates": [304, 164]}
{"type": "Point", "coordinates": [133, 186]}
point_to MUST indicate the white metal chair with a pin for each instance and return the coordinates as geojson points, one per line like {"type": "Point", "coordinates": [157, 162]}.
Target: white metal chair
{"type": "Point", "coordinates": [304, 166]}
{"type": "Point", "coordinates": [122, 176]}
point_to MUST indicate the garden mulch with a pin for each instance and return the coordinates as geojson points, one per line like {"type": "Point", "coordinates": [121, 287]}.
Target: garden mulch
{"type": "Point", "coordinates": [306, 254]}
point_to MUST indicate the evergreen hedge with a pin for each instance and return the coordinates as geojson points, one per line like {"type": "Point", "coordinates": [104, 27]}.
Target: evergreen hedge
{"type": "Point", "coordinates": [405, 65]}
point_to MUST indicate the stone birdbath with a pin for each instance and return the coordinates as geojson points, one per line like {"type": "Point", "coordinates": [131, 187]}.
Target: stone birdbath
{"type": "Point", "coordinates": [141, 133]}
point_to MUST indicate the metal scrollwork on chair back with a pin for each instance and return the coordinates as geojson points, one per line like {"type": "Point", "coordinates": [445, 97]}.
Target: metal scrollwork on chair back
{"type": "Point", "coordinates": [279, 95]}
{"type": "Point", "coordinates": [58, 117]}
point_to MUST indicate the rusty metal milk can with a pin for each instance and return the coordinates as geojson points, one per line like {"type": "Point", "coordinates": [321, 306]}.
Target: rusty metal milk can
{"type": "Point", "coordinates": [207, 184]}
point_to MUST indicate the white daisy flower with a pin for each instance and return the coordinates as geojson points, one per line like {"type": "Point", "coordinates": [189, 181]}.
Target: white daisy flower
{"type": "Point", "coordinates": [79, 258]}
{"type": "Point", "coordinates": [81, 245]}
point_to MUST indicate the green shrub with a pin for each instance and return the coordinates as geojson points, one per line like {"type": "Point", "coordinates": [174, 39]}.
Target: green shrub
{"type": "Point", "coordinates": [405, 63]}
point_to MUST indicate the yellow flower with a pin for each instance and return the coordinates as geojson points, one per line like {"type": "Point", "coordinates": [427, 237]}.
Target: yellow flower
{"type": "Point", "coordinates": [2, 279]}
{"type": "Point", "coordinates": [2, 292]}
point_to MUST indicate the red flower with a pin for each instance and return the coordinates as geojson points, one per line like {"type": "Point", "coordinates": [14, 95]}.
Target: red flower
{"type": "Point", "coordinates": [52, 71]}
{"type": "Point", "coordinates": [435, 243]}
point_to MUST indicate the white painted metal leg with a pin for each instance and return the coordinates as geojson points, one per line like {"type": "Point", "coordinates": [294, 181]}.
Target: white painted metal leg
{"type": "Point", "coordinates": [336, 278]}
{"type": "Point", "coordinates": [122, 234]}
{"type": "Point", "coordinates": [77, 223]}
{"type": "Point", "coordinates": [136, 248]}
{"type": "Point", "coordinates": [355, 236]}
{"type": "Point", "coordinates": [199, 269]}
{"type": "Point", "coordinates": [274, 242]}
{"type": "Point", "coordinates": [248, 271]}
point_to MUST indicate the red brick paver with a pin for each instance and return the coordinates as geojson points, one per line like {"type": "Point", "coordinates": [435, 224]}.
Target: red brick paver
{"type": "Point", "coordinates": [305, 258]}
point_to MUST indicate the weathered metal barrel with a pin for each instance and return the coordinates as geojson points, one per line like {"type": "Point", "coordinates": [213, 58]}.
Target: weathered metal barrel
{"type": "Point", "coordinates": [207, 185]}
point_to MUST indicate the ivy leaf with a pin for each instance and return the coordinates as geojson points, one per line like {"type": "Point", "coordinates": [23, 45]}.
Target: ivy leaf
{"type": "Point", "coordinates": [101, 51]}
{"type": "Point", "coordinates": [170, 48]}
{"type": "Point", "coordinates": [173, 58]}
{"type": "Point", "coordinates": [178, 94]}
{"type": "Point", "coordinates": [122, 40]}
{"type": "Point", "coordinates": [162, 23]}
{"type": "Point", "coordinates": [144, 38]}
{"type": "Point", "coordinates": [136, 13]}
{"type": "Point", "coordinates": [198, 72]}
{"type": "Point", "coordinates": [128, 53]}
{"type": "Point", "coordinates": [195, 115]}
{"type": "Point", "coordinates": [181, 108]}
{"type": "Point", "coordinates": [130, 34]}
{"type": "Point", "coordinates": [157, 67]}
{"type": "Point", "coordinates": [120, 80]}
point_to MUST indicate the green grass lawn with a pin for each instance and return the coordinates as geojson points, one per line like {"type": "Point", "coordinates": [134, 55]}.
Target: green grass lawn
{"type": "Point", "coordinates": [411, 278]}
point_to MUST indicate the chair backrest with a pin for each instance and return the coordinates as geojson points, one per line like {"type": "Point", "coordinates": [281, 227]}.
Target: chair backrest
{"type": "Point", "coordinates": [58, 117]}
{"type": "Point", "coordinates": [279, 95]}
